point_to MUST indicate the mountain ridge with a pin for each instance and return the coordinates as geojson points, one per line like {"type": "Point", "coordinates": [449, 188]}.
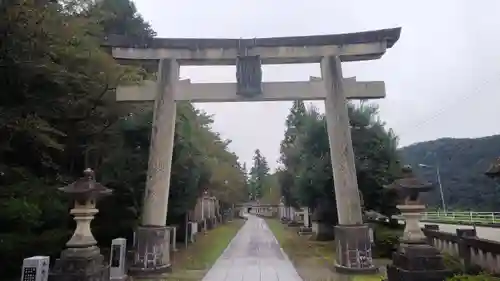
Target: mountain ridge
{"type": "Point", "coordinates": [462, 163]}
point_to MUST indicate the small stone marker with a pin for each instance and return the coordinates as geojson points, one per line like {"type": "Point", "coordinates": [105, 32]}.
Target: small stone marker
{"type": "Point", "coordinates": [35, 269]}
{"type": "Point", "coordinates": [194, 231]}
{"type": "Point", "coordinates": [117, 259]}
{"type": "Point", "coordinates": [370, 233]}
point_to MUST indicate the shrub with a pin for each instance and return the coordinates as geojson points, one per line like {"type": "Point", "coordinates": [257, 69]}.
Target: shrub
{"type": "Point", "coordinates": [386, 241]}
{"type": "Point", "coordinates": [453, 263]}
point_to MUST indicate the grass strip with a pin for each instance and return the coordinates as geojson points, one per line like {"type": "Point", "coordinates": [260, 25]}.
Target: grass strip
{"type": "Point", "coordinates": [193, 263]}
{"type": "Point", "coordinates": [313, 260]}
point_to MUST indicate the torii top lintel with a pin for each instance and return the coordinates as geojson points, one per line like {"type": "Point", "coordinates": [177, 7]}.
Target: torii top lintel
{"type": "Point", "coordinates": [357, 46]}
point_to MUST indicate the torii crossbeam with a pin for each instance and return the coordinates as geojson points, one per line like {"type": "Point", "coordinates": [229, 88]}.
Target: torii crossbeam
{"type": "Point", "coordinates": [272, 91]}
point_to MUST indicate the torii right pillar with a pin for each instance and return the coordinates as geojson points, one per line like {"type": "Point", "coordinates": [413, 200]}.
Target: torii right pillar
{"type": "Point", "coordinates": [352, 238]}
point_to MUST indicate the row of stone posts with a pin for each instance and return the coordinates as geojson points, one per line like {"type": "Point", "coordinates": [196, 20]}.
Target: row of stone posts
{"type": "Point", "coordinates": [265, 211]}
{"type": "Point", "coordinates": [206, 212]}
{"type": "Point", "coordinates": [210, 210]}
{"type": "Point", "coordinates": [290, 216]}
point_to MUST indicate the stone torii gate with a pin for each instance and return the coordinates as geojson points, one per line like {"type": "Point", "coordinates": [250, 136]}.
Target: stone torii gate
{"type": "Point", "coordinates": [353, 243]}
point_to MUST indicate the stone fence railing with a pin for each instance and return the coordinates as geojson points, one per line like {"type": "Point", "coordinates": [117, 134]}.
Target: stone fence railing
{"type": "Point", "coordinates": [467, 246]}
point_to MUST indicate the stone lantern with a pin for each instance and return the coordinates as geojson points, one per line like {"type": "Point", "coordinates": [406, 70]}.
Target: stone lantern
{"type": "Point", "coordinates": [494, 170]}
{"type": "Point", "coordinates": [82, 259]}
{"type": "Point", "coordinates": [414, 259]}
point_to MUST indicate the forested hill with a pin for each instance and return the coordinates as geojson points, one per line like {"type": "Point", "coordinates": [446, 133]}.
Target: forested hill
{"type": "Point", "coordinates": [462, 163]}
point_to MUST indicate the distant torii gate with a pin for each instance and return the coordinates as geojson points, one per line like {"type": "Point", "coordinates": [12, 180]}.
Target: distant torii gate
{"type": "Point", "coordinates": [353, 242]}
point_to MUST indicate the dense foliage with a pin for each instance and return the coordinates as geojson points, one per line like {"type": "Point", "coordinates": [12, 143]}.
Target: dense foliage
{"type": "Point", "coordinates": [462, 164]}
{"type": "Point", "coordinates": [58, 116]}
{"type": "Point", "coordinates": [306, 177]}
{"type": "Point", "coordinates": [259, 173]}
{"type": "Point", "coordinates": [386, 240]}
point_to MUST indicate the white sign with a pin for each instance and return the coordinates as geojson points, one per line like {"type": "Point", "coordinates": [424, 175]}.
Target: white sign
{"type": "Point", "coordinates": [35, 269]}
{"type": "Point", "coordinates": [117, 259]}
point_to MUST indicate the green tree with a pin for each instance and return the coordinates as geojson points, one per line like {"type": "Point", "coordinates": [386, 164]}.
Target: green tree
{"type": "Point", "coordinates": [377, 161]}
{"type": "Point", "coordinates": [375, 158]}
{"type": "Point", "coordinates": [288, 152]}
{"type": "Point", "coordinates": [258, 175]}
{"type": "Point", "coordinates": [55, 109]}
{"type": "Point", "coordinates": [271, 192]}
{"type": "Point", "coordinates": [120, 17]}
{"type": "Point", "coordinates": [58, 116]}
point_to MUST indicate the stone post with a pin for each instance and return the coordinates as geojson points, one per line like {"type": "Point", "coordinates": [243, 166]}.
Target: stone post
{"type": "Point", "coordinates": [173, 233]}
{"type": "Point", "coordinates": [211, 212]}
{"type": "Point", "coordinates": [211, 207]}
{"type": "Point", "coordinates": [214, 214]}
{"type": "Point", "coordinates": [194, 231]}
{"type": "Point", "coordinates": [306, 228]}
{"type": "Point", "coordinates": [152, 239]}
{"type": "Point", "coordinates": [306, 218]}
{"type": "Point", "coordinates": [208, 219]}
{"type": "Point", "coordinates": [203, 212]}
{"type": "Point", "coordinates": [351, 235]}
{"type": "Point", "coordinates": [82, 259]}
{"type": "Point", "coordinates": [464, 251]}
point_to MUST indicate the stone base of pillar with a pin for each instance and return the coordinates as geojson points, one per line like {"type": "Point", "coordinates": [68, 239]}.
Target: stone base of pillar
{"type": "Point", "coordinates": [151, 255]}
{"type": "Point", "coordinates": [210, 223]}
{"type": "Point", "coordinates": [202, 225]}
{"type": "Point", "coordinates": [305, 230]}
{"type": "Point", "coordinates": [322, 231]}
{"type": "Point", "coordinates": [80, 264]}
{"type": "Point", "coordinates": [416, 262]}
{"type": "Point", "coordinates": [354, 255]}
{"type": "Point", "coordinates": [293, 223]}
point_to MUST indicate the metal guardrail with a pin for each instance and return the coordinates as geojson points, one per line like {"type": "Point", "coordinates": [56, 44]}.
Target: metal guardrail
{"type": "Point", "coordinates": [471, 217]}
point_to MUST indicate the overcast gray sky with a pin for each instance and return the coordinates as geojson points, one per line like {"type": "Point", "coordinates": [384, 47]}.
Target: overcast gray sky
{"type": "Point", "coordinates": [442, 77]}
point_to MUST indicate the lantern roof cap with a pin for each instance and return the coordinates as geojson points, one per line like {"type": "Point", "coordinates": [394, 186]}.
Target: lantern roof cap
{"type": "Point", "coordinates": [494, 169]}
{"type": "Point", "coordinates": [86, 185]}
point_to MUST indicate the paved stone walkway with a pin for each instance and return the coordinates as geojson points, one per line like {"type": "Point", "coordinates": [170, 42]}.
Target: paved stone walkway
{"type": "Point", "coordinates": [253, 255]}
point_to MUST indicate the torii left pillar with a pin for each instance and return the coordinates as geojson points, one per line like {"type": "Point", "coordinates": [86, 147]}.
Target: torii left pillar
{"type": "Point", "coordinates": [152, 252]}
{"type": "Point", "coordinates": [351, 235]}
